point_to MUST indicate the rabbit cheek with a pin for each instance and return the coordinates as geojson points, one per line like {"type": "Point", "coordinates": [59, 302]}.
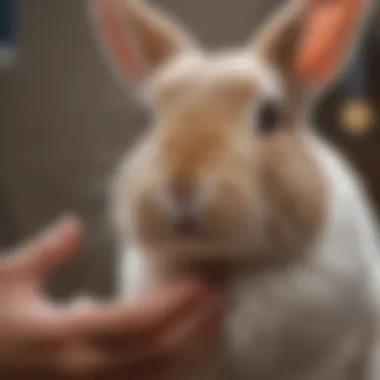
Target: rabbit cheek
{"type": "Point", "coordinates": [295, 194]}
{"type": "Point", "coordinates": [234, 210]}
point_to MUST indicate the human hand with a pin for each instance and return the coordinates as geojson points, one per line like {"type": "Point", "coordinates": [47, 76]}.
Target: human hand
{"type": "Point", "coordinates": [327, 22]}
{"type": "Point", "coordinates": [150, 339]}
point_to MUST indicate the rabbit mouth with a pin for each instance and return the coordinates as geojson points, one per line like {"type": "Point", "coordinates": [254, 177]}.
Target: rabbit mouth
{"type": "Point", "coordinates": [218, 262]}
{"type": "Point", "coordinates": [216, 273]}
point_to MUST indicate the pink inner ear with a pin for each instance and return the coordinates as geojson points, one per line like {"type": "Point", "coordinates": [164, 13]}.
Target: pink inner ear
{"type": "Point", "coordinates": [113, 29]}
{"type": "Point", "coordinates": [330, 27]}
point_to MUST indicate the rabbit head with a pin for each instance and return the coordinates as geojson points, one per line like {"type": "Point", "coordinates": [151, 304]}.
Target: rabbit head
{"type": "Point", "coordinates": [225, 171]}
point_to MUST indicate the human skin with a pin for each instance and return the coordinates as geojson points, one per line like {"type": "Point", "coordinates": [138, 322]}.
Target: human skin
{"type": "Point", "coordinates": [154, 338]}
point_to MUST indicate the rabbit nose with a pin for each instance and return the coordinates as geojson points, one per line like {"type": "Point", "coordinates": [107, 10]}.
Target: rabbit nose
{"type": "Point", "coordinates": [185, 224]}
{"type": "Point", "coordinates": [182, 205]}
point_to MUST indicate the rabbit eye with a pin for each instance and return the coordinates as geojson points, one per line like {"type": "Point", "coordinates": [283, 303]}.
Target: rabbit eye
{"type": "Point", "coordinates": [268, 117]}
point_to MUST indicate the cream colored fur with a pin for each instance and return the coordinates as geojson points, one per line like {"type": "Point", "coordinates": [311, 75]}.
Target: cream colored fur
{"type": "Point", "coordinates": [318, 316]}
{"type": "Point", "coordinates": [315, 320]}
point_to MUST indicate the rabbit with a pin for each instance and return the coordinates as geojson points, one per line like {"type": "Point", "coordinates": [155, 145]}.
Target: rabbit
{"type": "Point", "coordinates": [232, 181]}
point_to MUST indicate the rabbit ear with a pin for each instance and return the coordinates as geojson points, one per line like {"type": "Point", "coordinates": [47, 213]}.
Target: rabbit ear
{"type": "Point", "coordinates": [139, 37]}
{"type": "Point", "coordinates": [310, 34]}
{"type": "Point", "coordinates": [331, 32]}
{"type": "Point", "coordinates": [278, 39]}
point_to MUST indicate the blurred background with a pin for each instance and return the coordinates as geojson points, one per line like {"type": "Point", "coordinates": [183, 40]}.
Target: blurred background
{"type": "Point", "coordinates": [65, 119]}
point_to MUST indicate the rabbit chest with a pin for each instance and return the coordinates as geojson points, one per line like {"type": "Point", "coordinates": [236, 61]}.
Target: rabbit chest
{"type": "Point", "coordinates": [309, 322]}
{"type": "Point", "coordinates": [316, 319]}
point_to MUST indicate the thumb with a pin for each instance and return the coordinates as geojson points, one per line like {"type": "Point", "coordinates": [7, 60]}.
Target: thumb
{"type": "Point", "coordinates": [54, 246]}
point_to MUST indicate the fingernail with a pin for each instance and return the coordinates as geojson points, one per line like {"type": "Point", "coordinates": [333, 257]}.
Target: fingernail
{"type": "Point", "coordinates": [61, 226]}
{"type": "Point", "coordinates": [68, 219]}
{"type": "Point", "coordinates": [50, 232]}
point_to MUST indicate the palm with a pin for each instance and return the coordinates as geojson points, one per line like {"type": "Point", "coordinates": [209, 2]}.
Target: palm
{"type": "Point", "coordinates": [39, 339]}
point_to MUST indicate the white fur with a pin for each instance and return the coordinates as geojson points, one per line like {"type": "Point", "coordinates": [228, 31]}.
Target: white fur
{"type": "Point", "coordinates": [324, 298]}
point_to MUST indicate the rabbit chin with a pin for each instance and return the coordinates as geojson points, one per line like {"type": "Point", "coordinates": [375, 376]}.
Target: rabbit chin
{"type": "Point", "coordinates": [220, 261]}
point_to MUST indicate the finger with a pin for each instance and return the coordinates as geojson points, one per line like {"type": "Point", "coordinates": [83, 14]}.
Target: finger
{"type": "Point", "coordinates": [186, 338]}
{"type": "Point", "coordinates": [88, 362]}
{"type": "Point", "coordinates": [48, 250]}
{"type": "Point", "coordinates": [31, 363]}
{"type": "Point", "coordinates": [141, 317]}
{"type": "Point", "coordinates": [174, 351]}
{"type": "Point", "coordinates": [153, 371]}
{"type": "Point", "coordinates": [167, 354]}
{"type": "Point", "coordinates": [172, 339]}
{"type": "Point", "coordinates": [49, 323]}
{"type": "Point", "coordinates": [329, 29]}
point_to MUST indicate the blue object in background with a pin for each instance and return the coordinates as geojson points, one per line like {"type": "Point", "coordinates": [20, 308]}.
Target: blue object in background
{"type": "Point", "coordinates": [8, 23]}
{"type": "Point", "coordinates": [8, 31]}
